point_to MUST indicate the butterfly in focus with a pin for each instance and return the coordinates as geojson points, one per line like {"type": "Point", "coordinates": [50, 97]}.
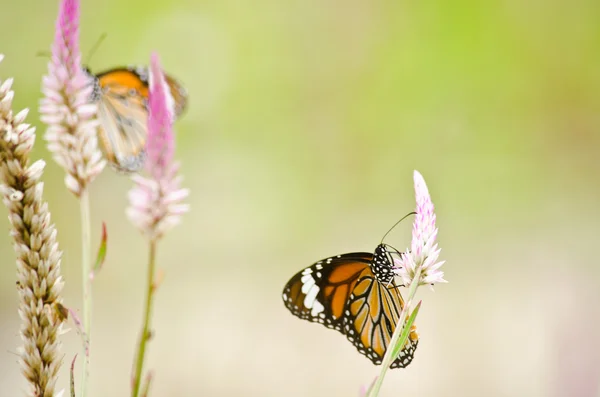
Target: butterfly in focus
{"type": "Point", "coordinates": [122, 98]}
{"type": "Point", "coordinates": [354, 294]}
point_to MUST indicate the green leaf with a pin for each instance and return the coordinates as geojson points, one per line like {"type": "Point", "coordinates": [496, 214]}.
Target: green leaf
{"type": "Point", "coordinates": [101, 252]}
{"type": "Point", "coordinates": [406, 331]}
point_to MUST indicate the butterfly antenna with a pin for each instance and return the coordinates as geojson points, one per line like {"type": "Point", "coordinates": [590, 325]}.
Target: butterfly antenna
{"type": "Point", "coordinates": [396, 224]}
{"type": "Point", "coordinates": [390, 248]}
{"type": "Point", "coordinates": [95, 47]}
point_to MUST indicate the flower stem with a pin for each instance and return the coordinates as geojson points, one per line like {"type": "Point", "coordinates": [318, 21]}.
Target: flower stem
{"type": "Point", "coordinates": [388, 358]}
{"type": "Point", "coordinates": [86, 267]}
{"type": "Point", "coordinates": [141, 351]}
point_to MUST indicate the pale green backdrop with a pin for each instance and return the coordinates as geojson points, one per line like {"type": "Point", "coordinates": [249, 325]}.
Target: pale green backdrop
{"type": "Point", "coordinates": [305, 122]}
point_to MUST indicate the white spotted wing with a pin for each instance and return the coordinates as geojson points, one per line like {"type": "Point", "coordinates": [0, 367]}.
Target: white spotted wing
{"type": "Point", "coordinates": [354, 294]}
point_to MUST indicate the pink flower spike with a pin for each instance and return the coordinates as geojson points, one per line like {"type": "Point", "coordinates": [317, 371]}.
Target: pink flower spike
{"type": "Point", "coordinates": [67, 108]}
{"type": "Point", "coordinates": [424, 251]}
{"type": "Point", "coordinates": [160, 143]}
{"type": "Point", "coordinates": [155, 202]}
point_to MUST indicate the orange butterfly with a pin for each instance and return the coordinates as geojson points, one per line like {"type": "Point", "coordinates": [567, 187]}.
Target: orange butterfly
{"type": "Point", "coordinates": [354, 294]}
{"type": "Point", "coordinates": [122, 98]}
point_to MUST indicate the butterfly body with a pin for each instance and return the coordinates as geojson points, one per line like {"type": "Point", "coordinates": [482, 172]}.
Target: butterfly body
{"type": "Point", "coordinates": [122, 98]}
{"type": "Point", "coordinates": [354, 294]}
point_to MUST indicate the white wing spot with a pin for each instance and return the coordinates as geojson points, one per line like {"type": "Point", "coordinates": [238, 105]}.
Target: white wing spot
{"type": "Point", "coordinates": [317, 307]}
{"type": "Point", "coordinates": [311, 296]}
{"type": "Point", "coordinates": [307, 282]}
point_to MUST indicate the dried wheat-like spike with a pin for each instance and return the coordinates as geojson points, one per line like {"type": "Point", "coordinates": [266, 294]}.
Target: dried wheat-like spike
{"type": "Point", "coordinates": [39, 282]}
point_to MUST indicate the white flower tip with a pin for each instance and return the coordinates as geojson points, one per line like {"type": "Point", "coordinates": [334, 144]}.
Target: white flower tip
{"type": "Point", "coordinates": [420, 185]}
{"type": "Point", "coordinates": [11, 193]}
{"type": "Point", "coordinates": [87, 110]}
{"type": "Point", "coordinates": [1, 57]}
{"type": "Point", "coordinates": [73, 184]}
{"type": "Point", "coordinates": [16, 196]}
{"type": "Point", "coordinates": [21, 116]}
{"type": "Point", "coordinates": [6, 86]}
{"type": "Point", "coordinates": [36, 169]}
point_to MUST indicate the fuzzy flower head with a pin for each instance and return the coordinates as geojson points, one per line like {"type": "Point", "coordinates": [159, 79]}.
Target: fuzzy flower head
{"type": "Point", "coordinates": [67, 108]}
{"type": "Point", "coordinates": [424, 251]}
{"type": "Point", "coordinates": [156, 201]}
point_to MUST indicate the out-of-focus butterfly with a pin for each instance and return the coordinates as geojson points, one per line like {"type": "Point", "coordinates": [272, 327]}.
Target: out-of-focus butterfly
{"type": "Point", "coordinates": [354, 294]}
{"type": "Point", "coordinates": [122, 98]}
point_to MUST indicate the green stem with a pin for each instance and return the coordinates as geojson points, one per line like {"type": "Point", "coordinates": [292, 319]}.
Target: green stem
{"type": "Point", "coordinates": [141, 351]}
{"type": "Point", "coordinates": [86, 268]}
{"type": "Point", "coordinates": [388, 358]}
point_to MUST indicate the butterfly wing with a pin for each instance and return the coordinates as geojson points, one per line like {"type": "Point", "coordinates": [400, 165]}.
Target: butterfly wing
{"type": "Point", "coordinates": [343, 293]}
{"type": "Point", "coordinates": [123, 113]}
{"type": "Point", "coordinates": [179, 94]}
{"type": "Point", "coordinates": [137, 77]}
{"type": "Point", "coordinates": [320, 292]}
{"type": "Point", "coordinates": [371, 318]}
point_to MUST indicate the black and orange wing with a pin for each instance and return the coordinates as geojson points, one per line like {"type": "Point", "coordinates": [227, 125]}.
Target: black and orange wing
{"type": "Point", "coordinates": [122, 97]}
{"type": "Point", "coordinates": [137, 78]}
{"type": "Point", "coordinates": [345, 294]}
{"type": "Point", "coordinates": [371, 319]}
{"type": "Point", "coordinates": [320, 292]}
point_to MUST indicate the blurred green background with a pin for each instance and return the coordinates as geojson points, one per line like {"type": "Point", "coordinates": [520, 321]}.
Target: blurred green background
{"type": "Point", "coordinates": [305, 122]}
